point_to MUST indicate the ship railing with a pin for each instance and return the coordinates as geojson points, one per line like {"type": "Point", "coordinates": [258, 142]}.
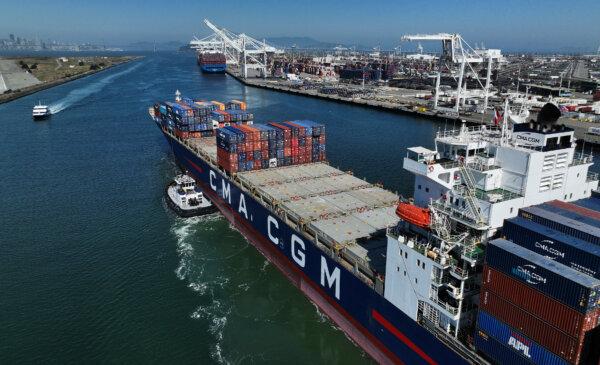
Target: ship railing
{"type": "Point", "coordinates": [482, 167]}
{"type": "Point", "coordinates": [471, 129]}
{"type": "Point", "coordinates": [454, 344]}
{"type": "Point", "coordinates": [458, 214]}
{"type": "Point", "coordinates": [450, 164]}
{"type": "Point", "coordinates": [580, 158]}
{"type": "Point", "coordinates": [422, 248]}
{"type": "Point", "coordinates": [592, 176]}
{"type": "Point", "coordinates": [462, 273]}
{"type": "Point", "coordinates": [445, 306]}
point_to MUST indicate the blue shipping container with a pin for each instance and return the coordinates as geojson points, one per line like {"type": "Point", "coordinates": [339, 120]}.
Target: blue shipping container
{"type": "Point", "coordinates": [579, 291]}
{"type": "Point", "coordinates": [592, 203]}
{"type": "Point", "coordinates": [497, 352]}
{"type": "Point", "coordinates": [578, 254]}
{"type": "Point", "coordinates": [514, 341]}
{"type": "Point", "coordinates": [566, 225]}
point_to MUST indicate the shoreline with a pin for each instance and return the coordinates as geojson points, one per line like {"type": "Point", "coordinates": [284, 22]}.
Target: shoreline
{"type": "Point", "coordinates": [378, 105]}
{"type": "Point", "coordinates": [5, 98]}
{"type": "Point", "coordinates": [406, 109]}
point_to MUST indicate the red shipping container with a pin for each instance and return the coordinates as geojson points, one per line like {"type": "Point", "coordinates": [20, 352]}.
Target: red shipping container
{"type": "Point", "coordinates": [295, 142]}
{"type": "Point", "coordinates": [264, 154]}
{"type": "Point", "coordinates": [301, 129]}
{"type": "Point", "coordinates": [226, 117]}
{"type": "Point", "coordinates": [575, 209]}
{"type": "Point", "coordinates": [287, 132]}
{"type": "Point", "coordinates": [322, 139]}
{"type": "Point", "coordinates": [182, 135]}
{"type": "Point", "coordinates": [538, 304]}
{"type": "Point", "coordinates": [558, 342]}
{"type": "Point", "coordinates": [287, 151]}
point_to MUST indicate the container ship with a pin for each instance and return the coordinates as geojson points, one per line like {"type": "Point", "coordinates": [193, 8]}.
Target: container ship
{"type": "Point", "coordinates": [437, 279]}
{"type": "Point", "coordinates": [212, 61]}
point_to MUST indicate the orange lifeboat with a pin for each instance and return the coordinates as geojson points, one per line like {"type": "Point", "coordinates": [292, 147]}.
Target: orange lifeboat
{"type": "Point", "coordinates": [413, 214]}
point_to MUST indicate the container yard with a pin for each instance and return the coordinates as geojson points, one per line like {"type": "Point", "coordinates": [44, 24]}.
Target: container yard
{"type": "Point", "coordinates": [423, 83]}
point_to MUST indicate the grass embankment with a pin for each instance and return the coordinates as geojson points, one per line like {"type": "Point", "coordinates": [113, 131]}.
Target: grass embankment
{"type": "Point", "coordinates": [53, 71]}
{"type": "Point", "coordinates": [47, 69]}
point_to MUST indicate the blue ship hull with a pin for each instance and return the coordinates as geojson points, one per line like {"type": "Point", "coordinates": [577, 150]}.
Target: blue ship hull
{"type": "Point", "coordinates": [382, 330]}
{"type": "Point", "coordinates": [214, 68]}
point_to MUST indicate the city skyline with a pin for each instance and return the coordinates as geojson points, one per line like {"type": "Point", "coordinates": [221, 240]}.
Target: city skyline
{"type": "Point", "coordinates": [511, 25]}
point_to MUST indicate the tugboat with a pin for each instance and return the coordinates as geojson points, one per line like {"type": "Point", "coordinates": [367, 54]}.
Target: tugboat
{"type": "Point", "coordinates": [186, 199]}
{"type": "Point", "coordinates": [41, 112]}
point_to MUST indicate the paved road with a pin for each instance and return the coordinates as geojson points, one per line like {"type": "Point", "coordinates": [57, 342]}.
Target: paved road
{"type": "Point", "coordinates": [581, 70]}
{"type": "Point", "coordinates": [13, 77]}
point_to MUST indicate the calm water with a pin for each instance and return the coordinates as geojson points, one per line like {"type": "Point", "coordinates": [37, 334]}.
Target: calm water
{"type": "Point", "coordinates": [93, 266]}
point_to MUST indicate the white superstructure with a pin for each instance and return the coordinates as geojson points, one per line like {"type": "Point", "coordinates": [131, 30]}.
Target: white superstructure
{"type": "Point", "coordinates": [40, 111]}
{"type": "Point", "coordinates": [474, 179]}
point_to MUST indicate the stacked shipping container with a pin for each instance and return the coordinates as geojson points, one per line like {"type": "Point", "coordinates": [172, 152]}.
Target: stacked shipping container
{"type": "Point", "coordinates": [581, 229]}
{"type": "Point", "coordinates": [190, 118]}
{"type": "Point", "coordinates": [534, 307]}
{"type": "Point", "coordinates": [570, 251]}
{"type": "Point", "coordinates": [253, 147]}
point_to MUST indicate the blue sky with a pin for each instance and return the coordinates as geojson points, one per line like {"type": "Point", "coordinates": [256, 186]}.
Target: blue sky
{"type": "Point", "coordinates": [507, 24]}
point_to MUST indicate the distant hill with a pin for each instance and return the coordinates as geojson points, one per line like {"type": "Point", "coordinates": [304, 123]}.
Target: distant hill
{"type": "Point", "coordinates": [303, 42]}
{"type": "Point", "coordinates": [149, 46]}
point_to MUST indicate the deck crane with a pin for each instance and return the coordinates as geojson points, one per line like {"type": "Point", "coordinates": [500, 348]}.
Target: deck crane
{"type": "Point", "coordinates": [455, 50]}
{"type": "Point", "coordinates": [244, 50]}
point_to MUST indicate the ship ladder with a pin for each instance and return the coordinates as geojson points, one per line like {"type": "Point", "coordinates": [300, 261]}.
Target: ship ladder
{"type": "Point", "coordinates": [469, 181]}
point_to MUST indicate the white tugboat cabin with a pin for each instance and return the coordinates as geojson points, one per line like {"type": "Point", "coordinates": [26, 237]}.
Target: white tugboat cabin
{"type": "Point", "coordinates": [186, 199]}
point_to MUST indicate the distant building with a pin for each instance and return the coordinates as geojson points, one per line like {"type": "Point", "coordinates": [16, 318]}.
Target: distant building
{"type": "Point", "coordinates": [12, 37]}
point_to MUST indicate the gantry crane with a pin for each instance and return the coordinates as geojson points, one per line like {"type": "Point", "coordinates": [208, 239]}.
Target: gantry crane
{"type": "Point", "coordinates": [244, 50]}
{"type": "Point", "coordinates": [455, 50]}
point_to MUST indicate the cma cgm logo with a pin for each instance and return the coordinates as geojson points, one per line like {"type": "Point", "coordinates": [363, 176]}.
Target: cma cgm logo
{"type": "Point", "coordinates": [527, 273]}
{"type": "Point", "coordinates": [330, 278]}
{"type": "Point", "coordinates": [520, 344]}
{"type": "Point", "coordinates": [528, 139]}
{"type": "Point", "coordinates": [546, 245]}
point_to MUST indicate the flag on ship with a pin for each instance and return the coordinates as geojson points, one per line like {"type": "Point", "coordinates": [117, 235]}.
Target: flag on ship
{"type": "Point", "coordinates": [497, 117]}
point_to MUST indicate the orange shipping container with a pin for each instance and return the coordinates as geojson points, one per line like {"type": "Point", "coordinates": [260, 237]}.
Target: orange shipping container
{"type": "Point", "coordinates": [220, 106]}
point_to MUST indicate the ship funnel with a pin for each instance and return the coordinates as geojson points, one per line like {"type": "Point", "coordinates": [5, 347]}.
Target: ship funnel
{"type": "Point", "coordinates": [549, 114]}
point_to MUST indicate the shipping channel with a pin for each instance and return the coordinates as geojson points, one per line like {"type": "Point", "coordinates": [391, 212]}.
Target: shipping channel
{"type": "Point", "coordinates": [95, 267]}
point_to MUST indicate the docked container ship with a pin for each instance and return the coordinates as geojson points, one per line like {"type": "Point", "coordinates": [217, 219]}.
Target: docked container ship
{"type": "Point", "coordinates": [212, 61]}
{"type": "Point", "coordinates": [425, 281]}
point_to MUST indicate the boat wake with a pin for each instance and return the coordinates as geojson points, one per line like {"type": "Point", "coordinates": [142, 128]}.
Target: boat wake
{"type": "Point", "coordinates": [79, 94]}
{"type": "Point", "coordinates": [191, 268]}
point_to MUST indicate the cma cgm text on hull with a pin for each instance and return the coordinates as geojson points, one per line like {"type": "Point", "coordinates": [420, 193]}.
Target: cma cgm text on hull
{"type": "Point", "coordinates": [420, 304]}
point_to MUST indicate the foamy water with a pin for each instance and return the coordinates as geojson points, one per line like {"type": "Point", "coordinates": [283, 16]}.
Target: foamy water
{"type": "Point", "coordinates": [191, 269]}
{"type": "Point", "coordinates": [78, 95]}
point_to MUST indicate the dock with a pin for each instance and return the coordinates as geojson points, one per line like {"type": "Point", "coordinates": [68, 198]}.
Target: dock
{"type": "Point", "coordinates": [403, 105]}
